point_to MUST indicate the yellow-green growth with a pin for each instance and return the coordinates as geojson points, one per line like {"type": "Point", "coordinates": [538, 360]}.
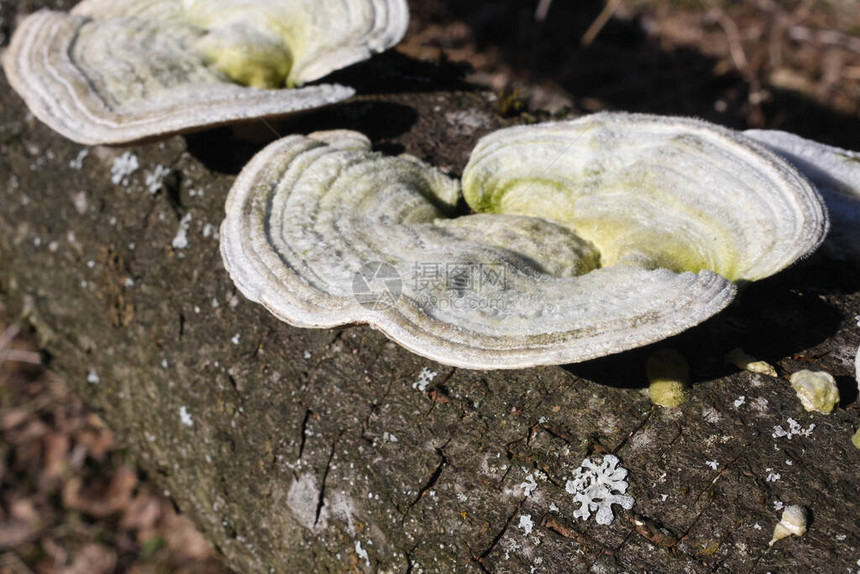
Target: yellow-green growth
{"type": "Point", "coordinates": [741, 360]}
{"type": "Point", "coordinates": [817, 391]}
{"type": "Point", "coordinates": [856, 439]}
{"type": "Point", "coordinates": [247, 56]}
{"type": "Point", "coordinates": [669, 375]}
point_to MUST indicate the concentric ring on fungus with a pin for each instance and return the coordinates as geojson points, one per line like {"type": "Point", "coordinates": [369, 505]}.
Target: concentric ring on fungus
{"type": "Point", "coordinates": [119, 71]}
{"type": "Point", "coordinates": [611, 232]}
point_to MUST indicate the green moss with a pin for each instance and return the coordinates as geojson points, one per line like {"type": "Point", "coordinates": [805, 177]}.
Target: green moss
{"type": "Point", "coordinates": [509, 103]}
{"type": "Point", "coordinates": [856, 439]}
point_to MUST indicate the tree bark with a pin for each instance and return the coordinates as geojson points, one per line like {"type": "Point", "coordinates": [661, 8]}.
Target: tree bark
{"type": "Point", "coordinates": [317, 450]}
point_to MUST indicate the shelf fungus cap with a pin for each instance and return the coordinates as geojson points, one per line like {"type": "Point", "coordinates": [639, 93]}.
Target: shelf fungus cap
{"type": "Point", "coordinates": [836, 174]}
{"type": "Point", "coordinates": [563, 261]}
{"type": "Point", "coordinates": [118, 71]}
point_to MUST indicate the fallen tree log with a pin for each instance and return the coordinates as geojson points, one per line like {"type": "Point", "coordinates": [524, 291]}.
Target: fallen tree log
{"type": "Point", "coordinates": [335, 450]}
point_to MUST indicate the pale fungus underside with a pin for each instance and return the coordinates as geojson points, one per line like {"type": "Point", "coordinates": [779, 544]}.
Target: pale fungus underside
{"type": "Point", "coordinates": [120, 71]}
{"type": "Point", "coordinates": [593, 236]}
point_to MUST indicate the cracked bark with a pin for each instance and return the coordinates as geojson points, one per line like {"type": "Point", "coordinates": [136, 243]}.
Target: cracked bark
{"type": "Point", "coordinates": [274, 408]}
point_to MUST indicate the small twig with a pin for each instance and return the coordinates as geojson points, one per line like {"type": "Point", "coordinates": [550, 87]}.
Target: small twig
{"type": "Point", "coordinates": [824, 37]}
{"type": "Point", "coordinates": [851, 72]}
{"type": "Point", "coordinates": [733, 35]}
{"type": "Point", "coordinates": [782, 21]}
{"type": "Point", "coordinates": [601, 21]}
{"type": "Point", "coordinates": [8, 336]}
{"type": "Point", "coordinates": [542, 10]}
{"type": "Point", "coordinates": [17, 356]}
{"type": "Point", "coordinates": [10, 561]}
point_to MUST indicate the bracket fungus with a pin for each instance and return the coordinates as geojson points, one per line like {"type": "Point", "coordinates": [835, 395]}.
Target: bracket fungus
{"type": "Point", "coordinates": [669, 378]}
{"type": "Point", "coordinates": [816, 390]}
{"type": "Point", "coordinates": [792, 523]}
{"type": "Point", "coordinates": [118, 71]}
{"type": "Point", "coordinates": [593, 236]}
{"type": "Point", "coordinates": [835, 173]}
{"type": "Point", "coordinates": [742, 360]}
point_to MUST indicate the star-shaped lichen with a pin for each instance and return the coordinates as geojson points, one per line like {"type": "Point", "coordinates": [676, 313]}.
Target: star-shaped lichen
{"type": "Point", "coordinates": [597, 487]}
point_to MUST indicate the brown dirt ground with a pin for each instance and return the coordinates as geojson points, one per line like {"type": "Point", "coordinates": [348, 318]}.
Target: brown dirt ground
{"type": "Point", "coordinates": [72, 501]}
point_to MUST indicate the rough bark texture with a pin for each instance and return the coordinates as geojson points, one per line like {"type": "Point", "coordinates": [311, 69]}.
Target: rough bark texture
{"type": "Point", "coordinates": [303, 450]}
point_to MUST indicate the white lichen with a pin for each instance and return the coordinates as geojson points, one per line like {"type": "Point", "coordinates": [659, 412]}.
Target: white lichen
{"type": "Point", "coordinates": [424, 379]}
{"type": "Point", "coordinates": [93, 377]}
{"type": "Point", "coordinates": [155, 179]}
{"type": "Point", "coordinates": [526, 524]}
{"type": "Point", "coordinates": [78, 162]}
{"type": "Point", "coordinates": [181, 239]}
{"type": "Point", "coordinates": [122, 168]}
{"type": "Point", "coordinates": [362, 553]}
{"type": "Point", "coordinates": [529, 486]}
{"type": "Point", "coordinates": [711, 415]}
{"type": "Point", "coordinates": [597, 487]}
{"type": "Point", "coordinates": [760, 405]}
{"type": "Point", "coordinates": [468, 122]}
{"type": "Point", "coordinates": [185, 417]}
{"type": "Point", "coordinates": [794, 429]}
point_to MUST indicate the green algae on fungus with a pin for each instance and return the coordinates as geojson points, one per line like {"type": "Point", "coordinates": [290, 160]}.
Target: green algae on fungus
{"type": "Point", "coordinates": [118, 71]}
{"type": "Point", "coordinates": [591, 237]}
{"type": "Point", "coordinates": [653, 191]}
